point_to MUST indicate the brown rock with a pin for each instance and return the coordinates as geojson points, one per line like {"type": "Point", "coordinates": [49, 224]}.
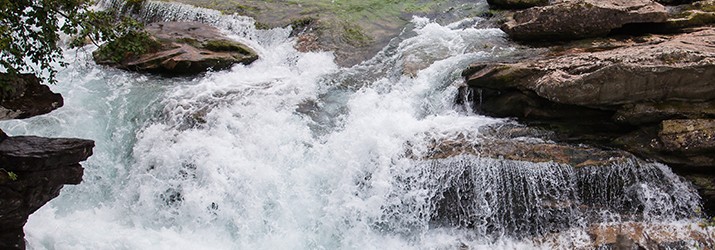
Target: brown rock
{"type": "Point", "coordinates": [678, 69]}
{"type": "Point", "coordinates": [26, 97]}
{"type": "Point", "coordinates": [687, 144]}
{"type": "Point", "coordinates": [651, 112]}
{"type": "Point", "coordinates": [569, 20]}
{"type": "Point", "coordinates": [185, 48]}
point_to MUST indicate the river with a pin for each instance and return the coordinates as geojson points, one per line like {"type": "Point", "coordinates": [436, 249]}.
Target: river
{"type": "Point", "coordinates": [294, 152]}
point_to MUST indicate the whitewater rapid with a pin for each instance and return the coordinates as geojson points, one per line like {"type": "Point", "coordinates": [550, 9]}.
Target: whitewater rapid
{"type": "Point", "coordinates": [290, 152]}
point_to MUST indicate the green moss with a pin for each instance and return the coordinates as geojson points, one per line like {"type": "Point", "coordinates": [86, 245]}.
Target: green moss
{"type": "Point", "coordinates": [12, 176]}
{"type": "Point", "coordinates": [132, 44]}
{"type": "Point", "coordinates": [354, 35]}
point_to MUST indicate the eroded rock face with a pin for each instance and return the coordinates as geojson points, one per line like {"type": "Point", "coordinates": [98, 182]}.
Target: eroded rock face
{"type": "Point", "coordinates": [569, 20]}
{"type": "Point", "coordinates": [32, 172]}
{"type": "Point", "coordinates": [185, 48]}
{"type": "Point", "coordinates": [26, 97]}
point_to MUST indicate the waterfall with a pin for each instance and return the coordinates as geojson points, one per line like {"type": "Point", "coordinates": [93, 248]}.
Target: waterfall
{"type": "Point", "coordinates": [294, 152]}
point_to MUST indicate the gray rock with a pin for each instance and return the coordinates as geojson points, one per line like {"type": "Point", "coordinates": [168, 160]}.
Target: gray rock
{"type": "Point", "coordinates": [32, 172]}
{"type": "Point", "coordinates": [569, 20]}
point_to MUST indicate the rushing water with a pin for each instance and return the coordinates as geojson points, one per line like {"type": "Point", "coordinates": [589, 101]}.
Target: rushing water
{"type": "Point", "coordinates": [293, 152]}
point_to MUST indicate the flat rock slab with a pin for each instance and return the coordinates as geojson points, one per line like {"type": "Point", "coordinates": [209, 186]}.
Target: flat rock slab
{"type": "Point", "coordinates": [32, 153]}
{"type": "Point", "coordinates": [677, 69]}
{"type": "Point", "coordinates": [576, 19]}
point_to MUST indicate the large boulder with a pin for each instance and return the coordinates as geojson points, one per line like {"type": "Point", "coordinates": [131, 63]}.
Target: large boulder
{"type": "Point", "coordinates": [23, 96]}
{"type": "Point", "coordinates": [33, 170]}
{"type": "Point", "coordinates": [678, 69]}
{"type": "Point", "coordinates": [569, 20]}
{"type": "Point", "coordinates": [175, 48]}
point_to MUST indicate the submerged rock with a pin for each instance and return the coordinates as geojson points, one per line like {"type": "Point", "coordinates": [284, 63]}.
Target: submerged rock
{"type": "Point", "coordinates": [32, 172]}
{"type": "Point", "coordinates": [24, 96]}
{"type": "Point", "coordinates": [569, 20]}
{"type": "Point", "coordinates": [176, 48]}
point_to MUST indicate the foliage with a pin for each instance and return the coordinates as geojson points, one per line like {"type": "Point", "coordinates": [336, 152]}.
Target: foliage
{"type": "Point", "coordinates": [30, 31]}
{"type": "Point", "coordinates": [12, 175]}
{"type": "Point", "coordinates": [133, 42]}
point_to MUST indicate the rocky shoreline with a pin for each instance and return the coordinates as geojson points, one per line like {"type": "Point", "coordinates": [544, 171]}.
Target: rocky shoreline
{"type": "Point", "coordinates": [642, 83]}
{"type": "Point", "coordinates": [33, 169]}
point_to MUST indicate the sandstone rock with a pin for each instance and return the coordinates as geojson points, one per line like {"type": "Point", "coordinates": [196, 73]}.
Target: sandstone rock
{"type": "Point", "coordinates": [32, 172]}
{"type": "Point", "coordinates": [517, 4]}
{"type": "Point", "coordinates": [678, 69]}
{"type": "Point", "coordinates": [568, 20]}
{"type": "Point", "coordinates": [26, 97]}
{"type": "Point", "coordinates": [180, 48]}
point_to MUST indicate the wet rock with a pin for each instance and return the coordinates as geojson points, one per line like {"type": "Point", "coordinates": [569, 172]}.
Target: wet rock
{"type": "Point", "coordinates": [705, 184]}
{"type": "Point", "coordinates": [506, 182]}
{"type": "Point", "coordinates": [26, 97]}
{"type": "Point", "coordinates": [32, 172]}
{"type": "Point", "coordinates": [633, 235]}
{"type": "Point", "coordinates": [517, 4]}
{"type": "Point", "coordinates": [178, 48]}
{"type": "Point", "coordinates": [527, 150]}
{"type": "Point", "coordinates": [651, 112]}
{"type": "Point", "coordinates": [569, 20]}
{"type": "Point", "coordinates": [688, 144]}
